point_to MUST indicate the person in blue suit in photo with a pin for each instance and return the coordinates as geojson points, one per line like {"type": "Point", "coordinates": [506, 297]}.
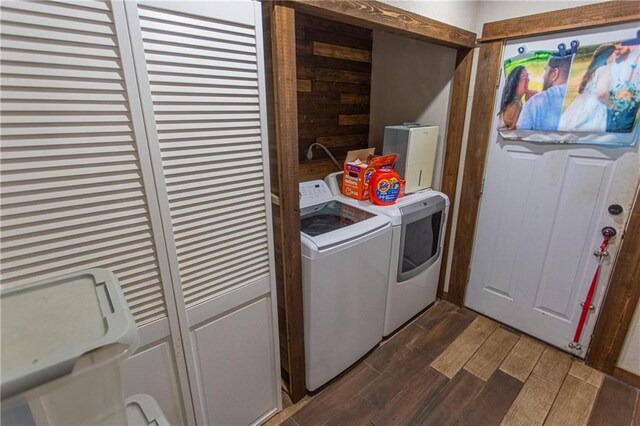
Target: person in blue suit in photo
{"type": "Point", "coordinates": [543, 110]}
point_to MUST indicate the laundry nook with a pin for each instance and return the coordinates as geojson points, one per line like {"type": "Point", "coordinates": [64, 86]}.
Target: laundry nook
{"type": "Point", "coordinates": [303, 212]}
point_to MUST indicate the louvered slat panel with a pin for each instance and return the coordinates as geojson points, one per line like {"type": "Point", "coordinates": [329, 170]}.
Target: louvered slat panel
{"type": "Point", "coordinates": [202, 275]}
{"type": "Point", "coordinates": [71, 188]}
{"type": "Point", "coordinates": [204, 87]}
{"type": "Point", "coordinates": [188, 234]}
{"type": "Point", "coordinates": [248, 273]}
{"type": "Point", "coordinates": [65, 11]}
{"type": "Point", "coordinates": [58, 235]}
{"type": "Point", "coordinates": [85, 4]}
{"type": "Point", "coordinates": [68, 223]}
{"type": "Point", "coordinates": [210, 239]}
{"type": "Point", "coordinates": [199, 101]}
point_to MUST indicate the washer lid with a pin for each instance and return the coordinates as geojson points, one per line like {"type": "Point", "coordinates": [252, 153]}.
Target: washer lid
{"type": "Point", "coordinates": [334, 222]}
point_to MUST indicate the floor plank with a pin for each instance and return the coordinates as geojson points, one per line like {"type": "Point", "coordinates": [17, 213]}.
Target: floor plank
{"type": "Point", "coordinates": [287, 411]}
{"type": "Point", "coordinates": [494, 375]}
{"type": "Point", "coordinates": [321, 406]}
{"type": "Point", "coordinates": [354, 412]}
{"type": "Point", "coordinates": [445, 332]}
{"type": "Point", "coordinates": [614, 405]}
{"type": "Point", "coordinates": [573, 403]}
{"type": "Point", "coordinates": [288, 422]}
{"type": "Point", "coordinates": [491, 354]}
{"type": "Point", "coordinates": [398, 347]}
{"type": "Point", "coordinates": [435, 314]}
{"type": "Point", "coordinates": [407, 403]}
{"type": "Point", "coordinates": [553, 366]}
{"type": "Point", "coordinates": [586, 373]}
{"type": "Point", "coordinates": [532, 404]}
{"type": "Point", "coordinates": [457, 395]}
{"type": "Point", "coordinates": [462, 349]}
{"type": "Point", "coordinates": [398, 376]}
{"type": "Point", "coordinates": [468, 313]}
{"type": "Point", "coordinates": [493, 402]}
{"type": "Point", "coordinates": [523, 358]}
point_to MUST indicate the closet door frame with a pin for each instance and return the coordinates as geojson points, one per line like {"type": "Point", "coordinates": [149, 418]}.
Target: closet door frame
{"type": "Point", "coordinates": [155, 331]}
{"type": "Point", "coordinates": [165, 228]}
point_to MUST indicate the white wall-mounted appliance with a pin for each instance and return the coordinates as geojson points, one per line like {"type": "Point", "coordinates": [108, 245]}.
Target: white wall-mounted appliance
{"type": "Point", "coordinates": [345, 270]}
{"type": "Point", "coordinates": [418, 222]}
{"type": "Point", "coordinates": [416, 147]}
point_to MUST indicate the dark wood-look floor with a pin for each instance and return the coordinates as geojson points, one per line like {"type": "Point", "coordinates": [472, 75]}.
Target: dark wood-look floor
{"type": "Point", "coordinates": [453, 367]}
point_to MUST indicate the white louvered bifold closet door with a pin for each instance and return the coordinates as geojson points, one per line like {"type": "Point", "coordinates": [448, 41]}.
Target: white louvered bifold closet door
{"type": "Point", "coordinates": [203, 103]}
{"type": "Point", "coordinates": [71, 188]}
{"type": "Point", "coordinates": [203, 78]}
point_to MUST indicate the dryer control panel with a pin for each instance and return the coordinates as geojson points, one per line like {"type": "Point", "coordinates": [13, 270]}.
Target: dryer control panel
{"type": "Point", "coordinates": [314, 192]}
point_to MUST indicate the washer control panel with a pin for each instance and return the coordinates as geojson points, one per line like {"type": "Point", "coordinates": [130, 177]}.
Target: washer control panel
{"type": "Point", "coordinates": [314, 192]}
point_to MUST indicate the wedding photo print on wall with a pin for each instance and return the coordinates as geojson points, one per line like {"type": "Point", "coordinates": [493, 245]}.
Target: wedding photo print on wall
{"type": "Point", "coordinates": [581, 88]}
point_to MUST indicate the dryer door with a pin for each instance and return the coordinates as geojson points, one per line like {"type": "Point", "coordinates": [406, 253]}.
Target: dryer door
{"type": "Point", "coordinates": [422, 229]}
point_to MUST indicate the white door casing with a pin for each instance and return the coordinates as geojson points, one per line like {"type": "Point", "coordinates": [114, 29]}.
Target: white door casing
{"type": "Point", "coordinates": [542, 210]}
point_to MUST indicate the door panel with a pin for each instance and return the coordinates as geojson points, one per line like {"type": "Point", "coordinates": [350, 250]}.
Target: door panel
{"type": "Point", "coordinates": [74, 194]}
{"type": "Point", "coordinates": [542, 210]}
{"type": "Point", "coordinates": [585, 181]}
{"type": "Point", "coordinates": [539, 224]}
{"type": "Point", "coordinates": [201, 69]}
{"type": "Point", "coordinates": [234, 355]}
{"type": "Point", "coordinates": [140, 375]}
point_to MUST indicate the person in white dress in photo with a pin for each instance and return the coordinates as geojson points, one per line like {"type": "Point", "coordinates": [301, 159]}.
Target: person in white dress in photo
{"type": "Point", "coordinates": [588, 111]}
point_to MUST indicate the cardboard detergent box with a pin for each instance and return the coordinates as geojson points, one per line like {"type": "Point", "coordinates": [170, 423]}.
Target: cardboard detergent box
{"type": "Point", "coordinates": [359, 166]}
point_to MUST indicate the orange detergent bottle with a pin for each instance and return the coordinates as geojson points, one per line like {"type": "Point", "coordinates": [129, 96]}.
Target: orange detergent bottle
{"type": "Point", "coordinates": [384, 187]}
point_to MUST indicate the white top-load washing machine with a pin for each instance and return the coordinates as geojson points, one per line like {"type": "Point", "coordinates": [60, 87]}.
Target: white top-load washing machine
{"type": "Point", "coordinates": [418, 221]}
{"type": "Point", "coordinates": [345, 270]}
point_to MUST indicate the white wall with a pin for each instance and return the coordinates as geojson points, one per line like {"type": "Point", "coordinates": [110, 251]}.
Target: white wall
{"type": "Point", "coordinates": [410, 81]}
{"type": "Point", "coordinates": [488, 11]}
{"type": "Point", "coordinates": [459, 13]}
{"type": "Point", "coordinates": [630, 356]}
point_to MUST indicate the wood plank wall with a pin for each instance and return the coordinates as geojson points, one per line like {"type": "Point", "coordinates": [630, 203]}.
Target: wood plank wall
{"type": "Point", "coordinates": [334, 84]}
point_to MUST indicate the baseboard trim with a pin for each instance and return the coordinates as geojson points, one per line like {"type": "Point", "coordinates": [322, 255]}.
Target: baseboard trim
{"type": "Point", "coordinates": [627, 376]}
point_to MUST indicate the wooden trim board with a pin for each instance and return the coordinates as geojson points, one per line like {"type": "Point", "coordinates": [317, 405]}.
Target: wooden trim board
{"type": "Point", "coordinates": [380, 16]}
{"type": "Point", "coordinates": [620, 301]}
{"type": "Point", "coordinates": [623, 292]}
{"type": "Point", "coordinates": [477, 147]}
{"type": "Point", "coordinates": [626, 376]}
{"type": "Point", "coordinates": [283, 51]}
{"type": "Point", "coordinates": [589, 16]}
{"type": "Point", "coordinates": [453, 147]}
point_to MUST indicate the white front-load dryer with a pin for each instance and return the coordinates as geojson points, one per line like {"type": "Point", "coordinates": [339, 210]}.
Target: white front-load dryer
{"type": "Point", "coordinates": [419, 220]}
{"type": "Point", "coordinates": [345, 270]}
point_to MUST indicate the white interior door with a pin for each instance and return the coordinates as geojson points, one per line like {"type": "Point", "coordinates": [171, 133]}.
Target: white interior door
{"type": "Point", "coordinates": [540, 220]}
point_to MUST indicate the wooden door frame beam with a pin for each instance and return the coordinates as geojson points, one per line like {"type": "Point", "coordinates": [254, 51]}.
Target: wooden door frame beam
{"type": "Point", "coordinates": [623, 291]}
{"type": "Point", "coordinates": [380, 16]}
{"type": "Point", "coordinates": [283, 52]}
{"type": "Point", "coordinates": [453, 147]}
{"type": "Point", "coordinates": [577, 18]}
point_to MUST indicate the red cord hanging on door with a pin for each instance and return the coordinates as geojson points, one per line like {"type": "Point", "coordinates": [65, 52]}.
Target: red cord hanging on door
{"type": "Point", "coordinates": [607, 233]}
